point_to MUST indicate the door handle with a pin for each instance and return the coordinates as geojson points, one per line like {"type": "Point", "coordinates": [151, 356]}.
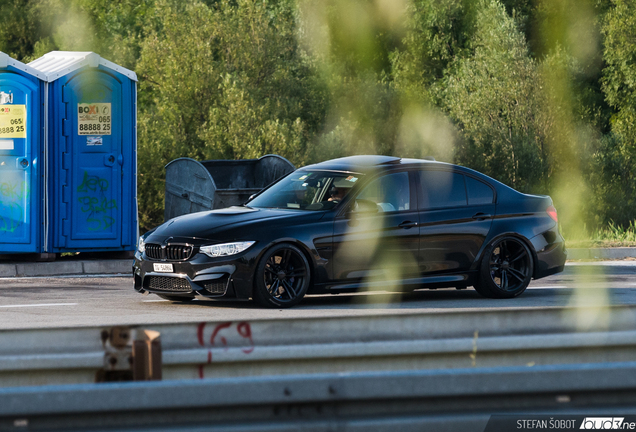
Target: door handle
{"type": "Point", "coordinates": [407, 224]}
{"type": "Point", "coordinates": [481, 216]}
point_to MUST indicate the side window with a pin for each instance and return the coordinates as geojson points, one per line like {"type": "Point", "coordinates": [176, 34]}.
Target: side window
{"type": "Point", "coordinates": [478, 192]}
{"type": "Point", "coordinates": [440, 189]}
{"type": "Point", "coordinates": [388, 193]}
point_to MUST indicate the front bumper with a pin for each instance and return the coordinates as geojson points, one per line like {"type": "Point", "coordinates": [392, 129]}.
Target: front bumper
{"type": "Point", "coordinates": [198, 276]}
{"type": "Point", "coordinates": [215, 285]}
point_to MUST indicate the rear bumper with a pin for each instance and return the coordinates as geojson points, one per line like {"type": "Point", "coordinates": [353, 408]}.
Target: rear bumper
{"type": "Point", "coordinates": [551, 253]}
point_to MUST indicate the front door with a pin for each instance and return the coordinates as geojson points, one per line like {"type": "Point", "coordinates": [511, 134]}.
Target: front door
{"type": "Point", "coordinates": [377, 240]}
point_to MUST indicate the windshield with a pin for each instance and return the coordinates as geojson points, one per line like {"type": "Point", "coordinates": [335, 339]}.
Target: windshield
{"type": "Point", "coordinates": [307, 190]}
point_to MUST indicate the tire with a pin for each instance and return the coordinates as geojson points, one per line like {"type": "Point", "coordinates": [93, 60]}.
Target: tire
{"type": "Point", "coordinates": [282, 277]}
{"type": "Point", "coordinates": [506, 269]}
{"type": "Point", "coordinates": [176, 298]}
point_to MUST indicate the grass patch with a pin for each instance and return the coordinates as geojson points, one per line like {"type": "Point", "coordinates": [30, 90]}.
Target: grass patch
{"type": "Point", "coordinates": [611, 235]}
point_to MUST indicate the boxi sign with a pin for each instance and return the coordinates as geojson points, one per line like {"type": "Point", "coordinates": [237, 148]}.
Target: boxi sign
{"type": "Point", "coordinates": [93, 119]}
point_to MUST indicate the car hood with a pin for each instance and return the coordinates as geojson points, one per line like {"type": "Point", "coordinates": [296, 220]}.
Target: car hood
{"type": "Point", "coordinates": [211, 225]}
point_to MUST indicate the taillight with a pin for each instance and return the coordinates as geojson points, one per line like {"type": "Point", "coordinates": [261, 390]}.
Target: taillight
{"type": "Point", "coordinates": [551, 211]}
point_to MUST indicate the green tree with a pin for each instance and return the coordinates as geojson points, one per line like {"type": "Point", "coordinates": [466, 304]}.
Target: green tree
{"type": "Point", "coordinates": [537, 93]}
{"type": "Point", "coordinates": [494, 95]}
{"type": "Point", "coordinates": [349, 44]}
{"type": "Point", "coordinates": [20, 29]}
{"type": "Point", "coordinates": [437, 33]}
{"type": "Point", "coordinates": [613, 164]}
{"type": "Point", "coordinates": [225, 81]}
{"type": "Point", "coordinates": [619, 76]}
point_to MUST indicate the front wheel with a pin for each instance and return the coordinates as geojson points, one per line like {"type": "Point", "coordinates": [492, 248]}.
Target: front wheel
{"type": "Point", "coordinates": [506, 269]}
{"type": "Point", "coordinates": [282, 277]}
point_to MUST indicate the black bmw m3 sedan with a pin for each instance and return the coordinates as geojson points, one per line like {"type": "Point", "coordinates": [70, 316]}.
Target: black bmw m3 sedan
{"type": "Point", "coordinates": [357, 223]}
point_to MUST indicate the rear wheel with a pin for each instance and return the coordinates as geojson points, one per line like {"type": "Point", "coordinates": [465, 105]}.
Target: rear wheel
{"type": "Point", "coordinates": [282, 277]}
{"type": "Point", "coordinates": [506, 269]}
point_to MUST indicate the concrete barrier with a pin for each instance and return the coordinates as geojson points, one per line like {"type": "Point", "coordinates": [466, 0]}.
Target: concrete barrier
{"type": "Point", "coordinates": [602, 253]}
{"type": "Point", "coordinates": [67, 268]}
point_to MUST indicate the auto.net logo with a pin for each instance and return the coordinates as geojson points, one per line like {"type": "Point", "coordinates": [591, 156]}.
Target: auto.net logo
{"type": "Point", "coordinates": [543, 423]}
{"type": "Point", "coordinates": [603, 423]}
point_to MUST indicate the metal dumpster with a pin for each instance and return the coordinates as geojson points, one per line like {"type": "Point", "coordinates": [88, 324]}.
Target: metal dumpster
{"type": "Point", "coordinates": [93, 150]}
{"type": "Point", "coordinates": [22, 157]}
{"type": "Point", "coordinates": [193, 186]}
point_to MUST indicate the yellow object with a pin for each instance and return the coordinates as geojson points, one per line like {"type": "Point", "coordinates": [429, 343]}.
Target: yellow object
{"type": "Point", "coordinates": [13, 121]}
{"type": "Point", "coordinates": [94, 119]}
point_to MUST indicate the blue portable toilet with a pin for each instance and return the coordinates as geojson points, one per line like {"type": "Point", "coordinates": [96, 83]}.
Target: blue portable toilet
{"type": "Point", "coordinates": [92, 114]}
{"type": "Point", "coordinates": [22, 152]}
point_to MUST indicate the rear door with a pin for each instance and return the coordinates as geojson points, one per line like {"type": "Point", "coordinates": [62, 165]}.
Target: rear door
{"type": "Point", "coordinates": [455, 216]}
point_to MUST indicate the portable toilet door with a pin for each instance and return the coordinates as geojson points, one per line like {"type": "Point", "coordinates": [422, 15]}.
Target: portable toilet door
{"type": "Point", "coordinates": [93, 134]}
{"type": "Point", "coordinates": [21, 157]}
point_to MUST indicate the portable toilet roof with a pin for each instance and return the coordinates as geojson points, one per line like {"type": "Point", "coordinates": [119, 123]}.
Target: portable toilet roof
{"type": "Point", "coordinates": [7, 62]}
{"type": "Point", "coordinates": [59, 63]}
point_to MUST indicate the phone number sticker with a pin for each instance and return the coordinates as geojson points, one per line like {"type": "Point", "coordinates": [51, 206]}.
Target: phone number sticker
{"type": "Point", "coordinates": [13, 121]}
{"type": "Point", "coordinates": [93, 119]}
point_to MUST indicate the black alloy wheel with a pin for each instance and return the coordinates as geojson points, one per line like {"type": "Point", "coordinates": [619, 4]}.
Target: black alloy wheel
{"type": "Point", "coordinates": [282, 277]}
{"type": "Point", "coordinates": [506, 269]}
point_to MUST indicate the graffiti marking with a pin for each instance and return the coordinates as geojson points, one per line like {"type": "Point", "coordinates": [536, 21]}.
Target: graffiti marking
{"type": "Point", "coordinates": [12, 197]}
{"type": "Point", "coordinates": [11, 217]}
{"type": "Point", "coordinates": [14, 191]}
{"type": "Point", "coordinates": [243, 329]}
{"type": "Point", "coordinates": [98, 206]}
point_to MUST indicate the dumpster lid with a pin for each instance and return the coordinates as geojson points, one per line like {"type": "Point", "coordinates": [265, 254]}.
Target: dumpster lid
{"type": "Point", "coordinates": [59, 63]}
{"type": "Point", "coordinates": [6, 61]}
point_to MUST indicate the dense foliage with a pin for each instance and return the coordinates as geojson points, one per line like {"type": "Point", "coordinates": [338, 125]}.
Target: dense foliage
{"type": "Point", "coordinates": [539, 94]}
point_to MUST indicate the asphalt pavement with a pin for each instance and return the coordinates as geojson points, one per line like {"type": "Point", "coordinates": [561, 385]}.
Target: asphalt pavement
{"type": "Point", "coordinates": [78, 301]}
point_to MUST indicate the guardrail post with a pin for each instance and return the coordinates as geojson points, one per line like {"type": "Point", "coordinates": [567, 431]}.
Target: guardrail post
{"type": "Point", "coordinates": [146, 356]}
{"type": "Point", "coordinates": [130, 355]}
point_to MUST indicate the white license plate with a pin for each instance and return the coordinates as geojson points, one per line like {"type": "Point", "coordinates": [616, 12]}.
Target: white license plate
{"type": "Point", "coordinates": [163, 268]}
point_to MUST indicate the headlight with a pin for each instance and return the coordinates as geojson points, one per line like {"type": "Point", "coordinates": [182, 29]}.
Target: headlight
{"type": "Point", "coordinates": [225, 249]}
{"type": "Point", "coordinates": [141, 247]}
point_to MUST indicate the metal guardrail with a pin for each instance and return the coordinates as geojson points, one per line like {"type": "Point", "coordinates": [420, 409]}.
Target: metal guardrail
{"type": "Point", "coordinates": [502, 337]}
{"type": "Point", "coordinates": [441, 400]}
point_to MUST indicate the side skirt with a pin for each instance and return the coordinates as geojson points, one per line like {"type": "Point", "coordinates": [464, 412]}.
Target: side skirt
{"type": "Point", "coordinates": [440, 281]}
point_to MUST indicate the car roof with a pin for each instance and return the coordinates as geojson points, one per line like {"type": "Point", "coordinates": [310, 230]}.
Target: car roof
{"type": "Point", "coordinates": [364, 163]}
{"type": "Point", "coordinates": [370, 163]}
